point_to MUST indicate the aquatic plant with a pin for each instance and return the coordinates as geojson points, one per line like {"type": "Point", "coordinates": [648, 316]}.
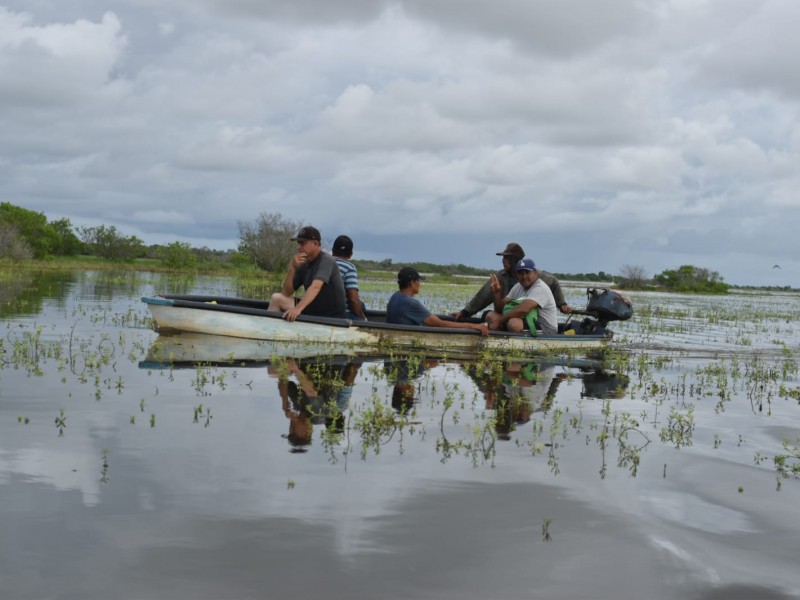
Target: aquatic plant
{"type": "Point", "coordinates": [679, 428]}
{"type": "Point", "coordinates": [377, 423]}
{"type": "Point", "coordinates": [546, 537]}
{"type": "Point", "coordinates": [61, 422]}
{"type": "Point", "coordinates": [787, 464]}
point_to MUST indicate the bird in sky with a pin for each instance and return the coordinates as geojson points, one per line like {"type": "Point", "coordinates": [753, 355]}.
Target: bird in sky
{"type": "Point", "coordinates": [776, 266]}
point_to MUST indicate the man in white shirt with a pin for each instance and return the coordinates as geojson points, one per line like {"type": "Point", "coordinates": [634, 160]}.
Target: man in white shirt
{"type": "Point", "coordinates": [513, 312]}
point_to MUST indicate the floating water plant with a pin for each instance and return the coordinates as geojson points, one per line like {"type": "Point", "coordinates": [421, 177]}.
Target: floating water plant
{"type": "Point", "coordinates": [61, 422]}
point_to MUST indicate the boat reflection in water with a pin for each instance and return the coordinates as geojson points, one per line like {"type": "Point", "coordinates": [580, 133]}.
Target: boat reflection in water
{"type": "Point", "coordinates": [516, 390]}
{"type": "Point", "coordinates": [315, 385]}
{"type": "Point", "coordinates": [189, 349]}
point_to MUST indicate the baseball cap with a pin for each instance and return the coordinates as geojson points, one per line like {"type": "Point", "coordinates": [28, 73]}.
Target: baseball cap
{"type": "Point", "coordinates": [343, 246]}
{"type": "Point", "coordinates": [525, 264]}
{"type": "Point", "coordinates": [307, 233]}
{"type": "Point", "coordinates": [512, 250]}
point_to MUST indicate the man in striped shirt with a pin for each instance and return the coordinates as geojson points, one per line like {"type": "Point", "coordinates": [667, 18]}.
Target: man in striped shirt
{"type": "Point", "coordinates": [342, 252]}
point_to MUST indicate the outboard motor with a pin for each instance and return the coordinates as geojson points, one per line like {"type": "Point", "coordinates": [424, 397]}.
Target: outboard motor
{"type": "Point", "coordinates": [604, 305]}
{"type": "Point", "coordinates": [608, 305]}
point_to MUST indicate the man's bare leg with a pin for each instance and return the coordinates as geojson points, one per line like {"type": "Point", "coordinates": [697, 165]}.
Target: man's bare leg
{"type": "Point", "coordinates": [515, 325]}
{"type": "Point", "coordinates": [281, 302]}
{"type": "Point", "coordinates": [493, 320]}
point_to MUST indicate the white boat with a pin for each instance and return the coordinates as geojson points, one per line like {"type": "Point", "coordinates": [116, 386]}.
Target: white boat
{"type": "Point", "coordinates": [250, 319]}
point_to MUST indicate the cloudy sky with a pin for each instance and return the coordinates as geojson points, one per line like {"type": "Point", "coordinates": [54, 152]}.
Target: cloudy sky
{"type": "Point", "coordinates": [597, 133]}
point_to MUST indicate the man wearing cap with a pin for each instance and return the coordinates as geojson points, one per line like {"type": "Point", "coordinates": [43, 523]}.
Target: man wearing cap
{"type": "Point", "coordinates": [512, 253]}
{"type": "Point", "coordinates": [513, 311]}
{"type": "Point", "coordinates": [316, 271]}
{"type": "Point", "coordinates": [404, 309]}
{"type": "Point", "coordinates": [342, 252]}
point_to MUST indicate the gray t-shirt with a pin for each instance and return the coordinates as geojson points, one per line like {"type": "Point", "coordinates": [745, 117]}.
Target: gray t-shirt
{"type": "Point", "coordinates": [330, 302]}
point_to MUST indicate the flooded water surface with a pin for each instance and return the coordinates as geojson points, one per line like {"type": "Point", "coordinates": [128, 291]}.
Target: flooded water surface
{"type": "Point", "coordinates": [136, 466]}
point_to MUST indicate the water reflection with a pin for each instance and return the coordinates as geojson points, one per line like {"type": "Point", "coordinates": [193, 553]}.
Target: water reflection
{"type": "Point", "coordinates": [311, 376]}
{"type": "Point", "coordinates": [25, 292]}
{"type": "Point", "coordinates": [313, 392]}
{"type": "Point", "coordinates": [315, 385]}
{"type": "Point", "coordinates": [515, 391]}
{"type": "Point", "coordinates": [189, 349]}
{"type": "Point", "coordinates": [183, 283]}
{"type": "Point", "coordinates": [602, 385]}
{"type": "Point", "coordinates": [405, 374]}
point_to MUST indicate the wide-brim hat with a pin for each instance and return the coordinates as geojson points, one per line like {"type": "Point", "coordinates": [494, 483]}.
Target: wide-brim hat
{"type": "Point", "coordinates": [513, 249]}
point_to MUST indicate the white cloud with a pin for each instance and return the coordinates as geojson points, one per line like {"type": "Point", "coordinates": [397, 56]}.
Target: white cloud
{"type": "Point", "coordinates": [645, 168]}
{"type": "Point", "coordinates": [654, 122]}
{"type": "Point", "coordinates": [757, 52]}
{"type": "Point", "coordinates": [785, 198]}
{"type": "Point", "coordinates": [58, 63]}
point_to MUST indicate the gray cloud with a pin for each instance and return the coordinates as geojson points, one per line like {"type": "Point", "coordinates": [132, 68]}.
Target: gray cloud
{"type": "Point", "coordinates": [603, 133]}
{"type": "Point", "coordinates": [558, 29]}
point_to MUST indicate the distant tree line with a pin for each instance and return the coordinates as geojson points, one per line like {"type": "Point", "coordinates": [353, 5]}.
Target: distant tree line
{"type": "Point", "coordinates": [423, 267]}
{"type": "Point", "coordinates": [461, 269]}
{"type": "Point", "coordinates": [26, 234]}
{"type": "Point", "coordinates": [265, 244]}
{"type": "Point", "coordinates": [686, 278]}
{"type": "Point", "coordinates": [689, 278]}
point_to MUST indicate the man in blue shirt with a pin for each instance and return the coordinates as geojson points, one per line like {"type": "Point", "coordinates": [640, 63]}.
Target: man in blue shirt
{"type": "Point", "coordinates": [404, 309]}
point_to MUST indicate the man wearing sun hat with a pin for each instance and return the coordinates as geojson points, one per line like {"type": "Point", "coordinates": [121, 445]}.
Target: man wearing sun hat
{"type": "Point", "coordinates": [510, 255]}
{"type": "Point", "coordinates": [317, 272]}
{"type": "Point", "coordinates": [514, 311]}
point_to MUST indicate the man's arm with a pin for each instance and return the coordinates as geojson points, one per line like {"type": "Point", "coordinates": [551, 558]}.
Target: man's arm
{"type": "Point", "coordinates": [283, 392]}
{"type": "Point", "coordinates": [558, 296]}
{"type": "Point", "coordinates": [354, 302]}
{"type": "Point", "coordinates": [519, 311]}
{"type": "Point", "coordinates": [499, 300]}
{"type": "Point", "coordinates": [305, 381]}
{"type": "Point", "coordinates": [480, 300]}
{"type": "Point", "coordinates": [287, 287]}
{"type": "Point", "coordinates": [500, 303]}
{"type": "Point", "coordinates": [434, 321]}
{"type": "Point", "coordinates": [311, 293]}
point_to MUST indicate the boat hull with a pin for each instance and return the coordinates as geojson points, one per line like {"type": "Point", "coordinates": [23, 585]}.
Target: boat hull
{"type": "Point", "coordinates": [249, 319]}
